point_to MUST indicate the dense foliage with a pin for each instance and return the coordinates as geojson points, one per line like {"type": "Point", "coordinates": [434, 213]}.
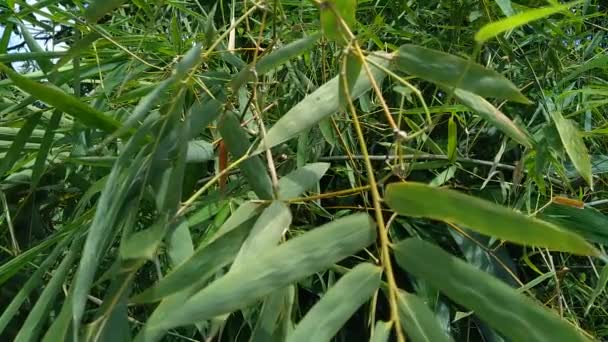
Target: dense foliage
{"type": "Point", "coordinates": [303, 170]}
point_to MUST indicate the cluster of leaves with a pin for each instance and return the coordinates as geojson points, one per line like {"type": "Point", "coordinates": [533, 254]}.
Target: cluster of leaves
{"type": "Point", "coordinates": [279, 171]}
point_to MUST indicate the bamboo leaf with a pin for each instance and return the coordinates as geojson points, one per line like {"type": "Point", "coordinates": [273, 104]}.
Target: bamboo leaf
{"type": "Point", "coordinates": [266, 232]}
{"type": "Point", "coordinates": [305, 178]}
{"type": "Point", "coordinates": [210, 258]}
{"type": "Point", "coordinates": [98, 8]}
{"type": "Point", "coordinates": [332, 13]}
{"type": "Point", "coordinates": [454, 72]}
{"type": "Point", "coordinates": [238, 144]}
{"type": "Point", "coordinates": [328, 315]}
{"type": "Point", "coordinates": [489, 113]}
{"type": "Point", "coordinates": [574, 145]}
{"type": "Point", "coordinates": [320, 104]}
{"type": "Point", "coordinates": [492, 30]}
{"type": "Point", "coordinates": [500, 306]}
{"type": "Point", "coordinates": [418, 321]}
{"type": "Point", "coordinates": [274, 269]}
{"type": "Point", "coordinates": [64, 102]}
{"type": "Point", "coordinates": [485, 217]}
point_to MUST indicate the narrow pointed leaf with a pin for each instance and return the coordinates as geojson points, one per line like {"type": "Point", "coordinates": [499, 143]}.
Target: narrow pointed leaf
{"type": "Point", "coordinates": [205, 261]}
{"type": "Point", "coordinates": [492, 30]}
{"type": "Point", "coordinates": [275, 59]}
{"type": "Point", "coordinates": [455, 72]}
{"type": "Point", "coordinates": [98, 8]}
{"type": "Point", "coordinates": [300, 180]}
{"type": "Point", "coordinates": [320, 104]}
{"type": "Point", "coordinates": [278, 267]}
{"type": "Point", "coordinates": [237, 143]}
{"type": "Point", "coordinates": [418, 320]}
{"type": "Point", "coordinates": [494, 116]}
{"type": "Point", "coordinates": [483, 216]}
{"type": "Point", "coordinates": [332, 13]}
{"type": "Point", "coordinates": [266, 232]}
{"type": "Point", "coordinates": [382, 332]}
{"type": "Point", "coordinates": [328, 316]}
{"type": "Point", "coordinates": [64, 102]}
{"type": "Point", "coordinates": [574, 145]}
{"type": "Point", "coordinates": [500, 306]}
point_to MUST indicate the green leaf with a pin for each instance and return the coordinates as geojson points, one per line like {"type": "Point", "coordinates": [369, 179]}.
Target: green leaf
{"type": "Point", "coordinates": [206, 260]}
{"type": "Point", "coordinates": [492, 30]}
{"type": "Point", "coordinates": [278, 267]}
{"type": "Point", "coordinates": [19, 142]}
{"type": "Point", "coordinates": [266, 233]}
{"type": "Point", "coordinates": [500, 306]}
{"type": "Point", "coordinates": [599, 287]}
{"type": "Point", "coordinates": [349, 72]}
{"type": "Point", "coordinates": [574, 145]}
{"type": "Point", "coordinates": [33, 282]}
{"type": "Point", "coordinates": [505, 7]}
{"type": "Point", "coordinates": [588, 222]}
{"type": "Point", "coordinates": [418, 321]}
{"type": "Point", "coordinates": [98, 8]}
{"type": "Point", "coordinates": [300, 180]}
{"type": "Point", "coordinates": [274, 316]}
{"type": "Point", "coordinates": [199, 151]}
{"type": "Point", "coordinates": [35, 321]}
{"type": "Point", "coordinates": [452, 140]}
{"type": "Point", "coordinates": [452, 71]}
{"type": "Point", "coordinates": [328, 315]}
{"type": "Point", "coordinates": [317, 106]}
{"type": "Point", "coordinates": [485, 217]}
{"type": "Point", "coordinates": [64, 102]}
{"type": "Point", "coordinates": [45, 148]}
{"type": "Point", "coordinates": [274, 59]}
{"type": "Point", "coordinates": [238, 144]}
{"type": "Point", "coordinates": [331, 13]}
{"type": "Point", "coordinates": [179, 244]}
{"type": "Point", "coordinates": [382, 332]}
{"type": "Point", "coordinates": [494, 116]}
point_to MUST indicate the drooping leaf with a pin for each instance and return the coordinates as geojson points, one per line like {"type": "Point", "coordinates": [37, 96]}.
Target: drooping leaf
{"type": "Point", "coordinates": [500, 306]}
{"type": "Point", "coordinates": [328, 315]}
{"type": "Point", "coordinates": [454, 72]}
{"type": "Point", "coordinates": [491, 114]}
{"type": "Point", "coordinates": [483, 216]}
{"type": "Point", "coordinates": [574, 145]}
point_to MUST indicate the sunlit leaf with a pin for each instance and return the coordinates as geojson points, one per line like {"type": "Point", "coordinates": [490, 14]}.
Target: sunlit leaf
{"type": "Point", "coordinates": [492, 30]}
